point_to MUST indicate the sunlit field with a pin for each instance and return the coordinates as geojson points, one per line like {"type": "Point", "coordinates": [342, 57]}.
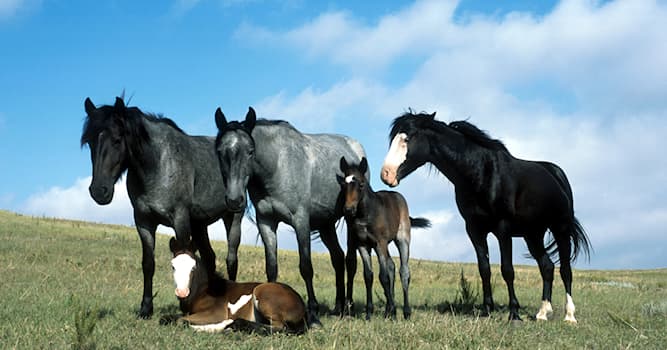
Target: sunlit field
{"type": "Point", "coordinates": [70, 284]}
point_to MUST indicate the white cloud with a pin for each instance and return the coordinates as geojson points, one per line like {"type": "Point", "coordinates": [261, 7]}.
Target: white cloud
{"type": "Point", "coordinates": [583, 86]}
{"type": "Point", "coordinates": [12, 8]}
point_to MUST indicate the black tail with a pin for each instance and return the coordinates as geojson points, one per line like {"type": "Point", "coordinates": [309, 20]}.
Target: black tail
{"type": "Point", "coordinates": [580, 243]}
{"type": "Point", "coordinates": [420, 222]}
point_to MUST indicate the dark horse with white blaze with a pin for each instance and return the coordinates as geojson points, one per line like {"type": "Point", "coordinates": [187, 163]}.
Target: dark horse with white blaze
{"type": "Point", "coordinates": [373, 220]}
{"type": "Point", "coordinates": [495, 192]}
{"type": "Point", "coordinates": [290, 178]}
{"type": "Point", "coordinates": [211, 303]}
{"type": "Point", "coordinates": [173, 179]}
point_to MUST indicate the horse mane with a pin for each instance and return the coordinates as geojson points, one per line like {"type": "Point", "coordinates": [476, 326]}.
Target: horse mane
{"type": "Point", "coordinates": [410, 121]}
{"type": "Point", "coordinates": [478, 136]}
{"type": "Point", "coordinates": [131, 121]}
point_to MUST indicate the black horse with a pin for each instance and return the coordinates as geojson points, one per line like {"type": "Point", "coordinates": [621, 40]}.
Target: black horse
{"type": "Point", "coordinates": [290, 177]}
{"type": "Point", "coordinates": [172, 179]}
{"type": "Point", "coordinates": [498, 193]}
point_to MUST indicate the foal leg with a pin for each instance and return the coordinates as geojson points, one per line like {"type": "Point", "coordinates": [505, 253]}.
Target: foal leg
{"type": "Point", "coordinates": [330, 240]}
{"type": "Point", "coordinates": [507, 269]}
{"type": "Point", "coordinates": [368, 278]}
{"type": "Point", "coordinates": [351, 267]}
{"type": "Point", "coordinates": [387, 273]}
{"type": "Point", "coordinates": [535, 244]}
{"type": "Point", "coordinates": [232, 223]}
{"type": "Point", "coordinates": [478, 239]}
{"type": "Point", "coordinates": [146, 230]}
{"type": "Point", "coordinates": [404, 271]}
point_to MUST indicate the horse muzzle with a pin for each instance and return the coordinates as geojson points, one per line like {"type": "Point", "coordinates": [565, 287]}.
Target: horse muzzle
{"type": "Point", "coordinates": [182, 293]}
{"type": "Point", "coordinates": [350, 211]}
{"type": "Point", "coordinates": [101, 194]}
{"type": "Point", "coordinates": [389, 176]}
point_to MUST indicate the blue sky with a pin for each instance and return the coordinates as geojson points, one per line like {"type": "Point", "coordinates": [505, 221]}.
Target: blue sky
{"type": "Point", "coordinates": [579, 83]}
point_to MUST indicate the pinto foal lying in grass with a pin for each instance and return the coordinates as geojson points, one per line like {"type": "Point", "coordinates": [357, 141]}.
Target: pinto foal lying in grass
{"type": "Point", "coordinates": [217, 304]}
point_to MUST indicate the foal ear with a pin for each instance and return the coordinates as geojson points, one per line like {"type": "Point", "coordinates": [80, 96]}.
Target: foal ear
{"type": "Point", "coordinates": [343, 164]}
{"type": "Point", "coordinates": [90, 106]}
{"type": "Point", "coordinates": [220, 120]}
{"type": "Point", "coordinates": [363, 166]}
{"type": "Point", "coordinates": [250, 119]}
{"type": "Point", "coordinates": [432, 115]}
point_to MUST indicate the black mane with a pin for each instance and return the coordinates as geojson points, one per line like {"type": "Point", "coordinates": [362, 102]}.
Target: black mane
{"type": "Point", "coordinates": [411, 122]}
{"type": "Point", "coordinates": [131, 121]}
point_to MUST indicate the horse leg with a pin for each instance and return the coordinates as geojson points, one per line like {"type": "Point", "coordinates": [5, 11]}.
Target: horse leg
{"type": "Point", "coordinates": [302, 227]}
{"type": "Point", "coordinates": [564, 250]}
{"type": "Point", "coordinates": [478, 239]}
{"type": "Point", "coordinates": [507, 269]}
{"type": "Point", "coordinates": [387, 273]}
{"type": "Point", "coordinates": [403, 246]}
{"type": "Point", "coordinates": [267, 230]}
{"type": "Point", "coordinates": [330, 240]}
{"type": "Point", "coordinates": [535, 244]}
{"type": "Point", "coordinates": [368, 278]}
{"type": "Point", "coordinates": [146, 230]}
{"type": "Point", "coordinates": [200, 238]}
{"type": "Point", "coordinates": [232, 223]}
{"type": "Point", "coordinates": [351, 267]}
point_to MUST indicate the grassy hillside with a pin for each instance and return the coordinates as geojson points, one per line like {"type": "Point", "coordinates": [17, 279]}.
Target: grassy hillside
{"type": "Point", "coordinates": [61, 277]}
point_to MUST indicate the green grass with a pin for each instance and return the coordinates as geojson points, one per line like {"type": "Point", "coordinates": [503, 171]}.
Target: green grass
{"type": "Point", "coordinates": [69, 284]}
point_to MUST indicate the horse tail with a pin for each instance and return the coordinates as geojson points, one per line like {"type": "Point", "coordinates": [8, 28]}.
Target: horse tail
{"type": "Point", "coordinates": [578, 236]}
{"type": "Point", "coordinates": [580, 241]}
{"type": "Point", "coordinates": [420, 223]}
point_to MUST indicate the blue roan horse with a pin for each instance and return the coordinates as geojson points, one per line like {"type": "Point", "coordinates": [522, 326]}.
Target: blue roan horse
{"type": "Point", "coordinates": [498, 193]}
{"type": "Point", "coordinates": [172, 179]}
{"type": "Point", "coordinates": [291, 178]}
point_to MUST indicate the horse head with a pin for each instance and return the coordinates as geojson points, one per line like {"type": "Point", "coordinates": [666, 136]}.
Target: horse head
{"type": "Point", "coordinates": [408, 149]}
{"type": "Point", "coordinates": [104, 133]}
{"type": "Point", "coordinates": [353, 184]}
{"type": "Point", "coordinates": [235, 148]}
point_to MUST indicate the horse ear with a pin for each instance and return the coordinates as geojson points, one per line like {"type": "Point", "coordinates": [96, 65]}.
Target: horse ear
{"type": "Point", "coordinates": [220, 120]}
{"type": "Point", "coordinates": [250, 119]}
{"type": "Point", "coordinates": [90, 106]}
{"type": "Point", "coordinates": [363, 166]}
{"type": "Point", "coordinates": [343, 164]}
{"type": "Point", "coordinates": [432, 115]}
{"type": "Point", "coordinates": [120, 104]}
{"type": "Point", "coordinates": [172, 244]}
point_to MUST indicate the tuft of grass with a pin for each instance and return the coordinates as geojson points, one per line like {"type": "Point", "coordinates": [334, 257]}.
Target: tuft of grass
{"type": "Point", "coordinates": [655, 309]}
{"type": "Point", "coordinates": [85, 320]}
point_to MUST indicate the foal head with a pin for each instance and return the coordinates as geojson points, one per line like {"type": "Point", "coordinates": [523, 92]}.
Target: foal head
{"type": "Point", "coordinates": [353, 184]}
{"type": "Point", "coordinates": [185, 268]}
{"type": "Point", "coordinates": [236, 153]}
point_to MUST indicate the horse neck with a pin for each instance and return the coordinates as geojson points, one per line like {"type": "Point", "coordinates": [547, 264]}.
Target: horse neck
{"type": "Point", "coordinates": [462, 161]}
{"type": "Point", "coordinates": [369, 201]}
{"type": "Point", "coordinates": [199, 282]}
{"type": "Point", "coordinates": [145, 158]}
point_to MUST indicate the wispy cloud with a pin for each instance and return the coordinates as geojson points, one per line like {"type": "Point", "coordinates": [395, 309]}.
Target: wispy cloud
{"type": "Point", "coordinates": [11, 8]}
{"type": "Point", "coordinates": [582, 86]}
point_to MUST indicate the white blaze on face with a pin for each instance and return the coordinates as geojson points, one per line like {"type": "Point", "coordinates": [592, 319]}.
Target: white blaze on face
{"type": "Point", "coordinates": [395, 157]}
{"type": "Point", "coordinates": [349, 179]}
{"type": "Point", "coordinates": [183, 265]}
